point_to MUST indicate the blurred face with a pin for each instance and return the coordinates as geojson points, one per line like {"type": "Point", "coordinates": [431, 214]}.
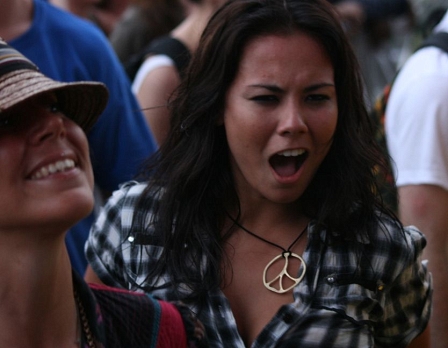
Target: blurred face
{"type": "Point", "coordinates": [280, 117]}
{"type": "Point", "coordinates": [46, 177]}
{"type": "Point", "coordinates": [106, 13]}
{"type": "Point", "coordinates": [82, 7]}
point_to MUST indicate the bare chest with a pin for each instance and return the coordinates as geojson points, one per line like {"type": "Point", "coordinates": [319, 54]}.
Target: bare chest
{"type": "Point", "coordinates": [252, 304]}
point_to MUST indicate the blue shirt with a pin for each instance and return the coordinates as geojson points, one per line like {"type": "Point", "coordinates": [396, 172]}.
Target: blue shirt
{"type": "Point", "coordinates": [67, 48]}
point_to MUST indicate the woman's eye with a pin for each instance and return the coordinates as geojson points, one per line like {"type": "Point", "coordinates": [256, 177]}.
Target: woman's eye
{"type": "Point", "coordinates": [318, 97]}
{"type": "Point", "coordinates": [6, 122]}
{"type": "Point", "coordinates": [54, 108]}
{"type": "Point", "coordinates": [265, 98]}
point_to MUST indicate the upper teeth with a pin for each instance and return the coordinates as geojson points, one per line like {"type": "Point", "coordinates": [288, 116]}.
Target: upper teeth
{"type": "Point", "coordinates": [58, 166]}
{"type": "Point", "coordinates": [289, 153]}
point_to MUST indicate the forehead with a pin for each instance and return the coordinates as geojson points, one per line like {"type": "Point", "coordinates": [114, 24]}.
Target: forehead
{"type": "Point", "coordinates": [274, 46]}
{"type": "Point", "coordinates": [295, 53]}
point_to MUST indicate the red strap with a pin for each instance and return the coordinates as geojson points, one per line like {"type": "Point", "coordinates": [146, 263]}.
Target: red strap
{"type": "Point", "coordinates": [172, 330]}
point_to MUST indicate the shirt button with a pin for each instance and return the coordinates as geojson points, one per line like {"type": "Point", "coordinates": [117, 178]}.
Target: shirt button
{"type": "Point", "coordinates": [330, 280]}
{"type": "Point", "coordinates": [287, 318]}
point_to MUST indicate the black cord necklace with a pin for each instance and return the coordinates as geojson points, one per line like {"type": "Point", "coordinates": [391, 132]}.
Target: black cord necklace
{"type": "Point", "coordinates": [286, 253]}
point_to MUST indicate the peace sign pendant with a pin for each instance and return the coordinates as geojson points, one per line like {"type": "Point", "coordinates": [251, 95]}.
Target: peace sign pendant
{"type": "Point", "coordinates": [284, 273]}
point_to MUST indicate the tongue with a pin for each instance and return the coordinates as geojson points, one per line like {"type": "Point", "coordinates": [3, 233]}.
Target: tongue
{"type": "Point", "coordinates": [284, 166]}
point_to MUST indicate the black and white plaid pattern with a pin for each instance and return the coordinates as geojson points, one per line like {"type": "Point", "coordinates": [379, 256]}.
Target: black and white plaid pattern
{"type": "Point", "coordinates": [381, 296]}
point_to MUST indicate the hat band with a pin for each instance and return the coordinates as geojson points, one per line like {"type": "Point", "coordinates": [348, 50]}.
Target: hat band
{"type": "Point", "coordinates": [14, 65]}
{"type": "Point", "coordinates": [11, 60]}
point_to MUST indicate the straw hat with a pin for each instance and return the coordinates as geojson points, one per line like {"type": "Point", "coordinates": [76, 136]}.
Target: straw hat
{"type": "Point", "coordinates": [20, 80]}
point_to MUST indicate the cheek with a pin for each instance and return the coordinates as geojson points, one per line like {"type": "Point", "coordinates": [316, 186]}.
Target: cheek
{"type": "Point", "coordinates": [244, 125]}
{"type": "Point", "coordinates": [240, 140]}
{"type": "Point", "coordinates": [323, 129]}
{"type": "Point", "coordinates": [243, 136]}
{"type": "Point", "coordinates": [90, 176]}
{"type": "Point", "coordinates": [79, 140]}
{"type": "Point", "coordinates": [88, 165]}
{"type": "Point", "coordinates": [78, 137]}
{"type": "Point", "coordinates": [12, 152]}
{"type": "Point", "coordinates": [234, 127]}
{"type": "Point", "coordinates": [236, 141]}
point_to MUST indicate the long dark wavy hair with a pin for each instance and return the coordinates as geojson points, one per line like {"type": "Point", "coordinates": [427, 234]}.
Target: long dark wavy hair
{"type": "Point", "coordinates": [193, 166]}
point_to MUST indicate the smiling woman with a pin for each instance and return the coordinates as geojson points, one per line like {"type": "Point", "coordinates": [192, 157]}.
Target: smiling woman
{"type": "Point", "coordinates": [43, 174]}
{"type": "Point", "coordinates": [258, 211]}
{"type": "Point", "coordinates": [32, 116]}
{"type": "Point", "coordinates": [46, 186]}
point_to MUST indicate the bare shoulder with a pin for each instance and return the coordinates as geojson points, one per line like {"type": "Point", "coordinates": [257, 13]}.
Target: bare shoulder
{"type": "Point", "coordinates": [159, 84]}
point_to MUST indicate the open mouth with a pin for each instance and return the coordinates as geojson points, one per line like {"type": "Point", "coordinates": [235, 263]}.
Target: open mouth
{"type": "Point", "coordinates": [287, 163]}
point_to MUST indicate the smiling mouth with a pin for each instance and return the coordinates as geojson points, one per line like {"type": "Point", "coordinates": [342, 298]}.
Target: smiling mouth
{"type": "Point", "coordinates": [58, 166]}
{"type": "Point", "coordinates": [287, 163]}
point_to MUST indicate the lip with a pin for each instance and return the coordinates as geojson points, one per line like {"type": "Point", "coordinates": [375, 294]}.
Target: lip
{"type": "Point", "coordinates": [52, 159]}
{"type": "Point", "coordinates": [288, 153]}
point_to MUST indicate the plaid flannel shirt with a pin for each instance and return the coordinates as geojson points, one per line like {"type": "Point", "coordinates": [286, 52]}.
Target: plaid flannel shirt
{"type": "Point", "coordinates": [380, 297]}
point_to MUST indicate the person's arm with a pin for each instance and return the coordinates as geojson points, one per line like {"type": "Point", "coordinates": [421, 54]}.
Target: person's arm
{"type": "Point", "coordinates": [153, 96]}
{"type": "Point", "coordinates": [426, 207]}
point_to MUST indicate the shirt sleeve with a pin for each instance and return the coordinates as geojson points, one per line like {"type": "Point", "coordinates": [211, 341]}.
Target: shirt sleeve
{"type": "Point", "coordinates": [407, 301]}
{"type": "Point", "coordinates": [416, 122]}
{"type": "Point", "coordinates": [107, 238]}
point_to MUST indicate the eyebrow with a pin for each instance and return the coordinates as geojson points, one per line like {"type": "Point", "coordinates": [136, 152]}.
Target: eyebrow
{"type": "Point", "coordinates": [272, 88]}
{"type": "Point", "coordinates": [277, 89]}
{"type": "Point", "coordinates": [318, 86]}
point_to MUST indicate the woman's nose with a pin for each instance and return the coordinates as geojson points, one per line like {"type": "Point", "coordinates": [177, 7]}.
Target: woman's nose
{"type": "Point", "coordinates": [47, 126]}
{"type": "Point", "coordinates": [292, 121]}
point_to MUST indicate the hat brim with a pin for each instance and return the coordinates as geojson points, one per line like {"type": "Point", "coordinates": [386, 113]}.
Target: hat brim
{"type": "Point", "coordinates": [82, 101]}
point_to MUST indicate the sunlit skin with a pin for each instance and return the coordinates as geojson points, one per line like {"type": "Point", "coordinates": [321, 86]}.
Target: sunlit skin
{"type": "Point", "coordinates": [34, 135]}
{"type": "Point", "coordinates": [283, 98]}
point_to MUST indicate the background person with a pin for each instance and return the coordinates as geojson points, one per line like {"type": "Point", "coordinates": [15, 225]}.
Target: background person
{"type": "Point", "coordinates": [158, 77]}
{"type": "Point", "coordinates": [104, 13]}
{"type": "Point", "coordinates": [382, 34]}
{"type": "Point", "coordinates": [67, 48]}
{"type": "Point", "coordinates": [142, 22]}
{"type": "Point", "coordinates": [46, 186]}
{"type": "Point", "coordinates": [417, 138]}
